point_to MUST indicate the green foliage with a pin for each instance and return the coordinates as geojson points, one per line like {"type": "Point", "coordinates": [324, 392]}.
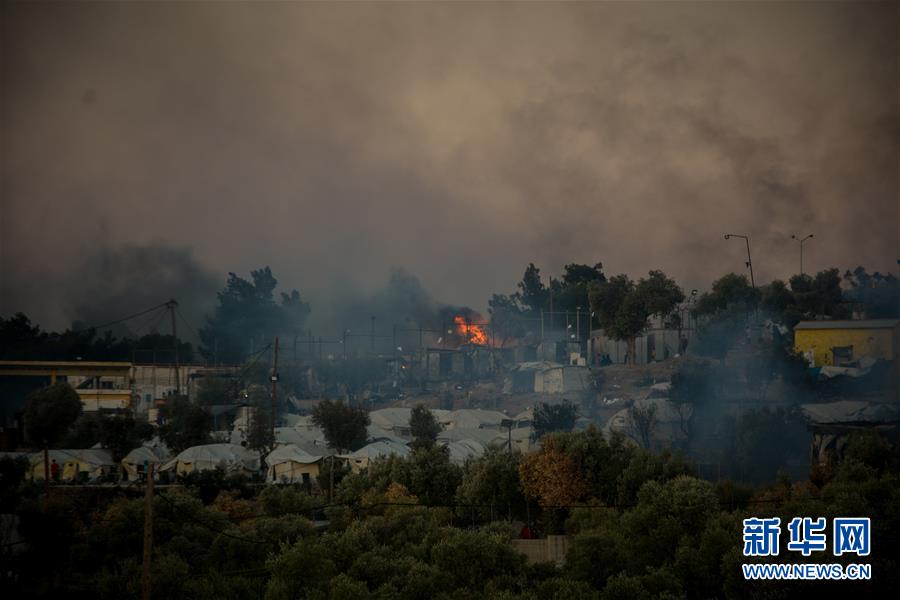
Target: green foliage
{"type": "Point", "coordinates": [554, 417]}
{"type": "Point", "coordinates": [216, 390]}
{"type": "Point", "coordinates": [623, 306]}
{"type": "Point", "coordinates": [344, 426]}
{"type": "Point", "coordinates": [493, 480]}
{"type": "Point", "coordinates": [423, 426]}
{"type": "Point", "coordinates": [118, 433]}
{"type": "Point", "coordinates": [762, 440]}
{"type": "Point", "coordinates": [247, 311]}
{"type": "Point", "coordinates": [819, 295]}
{"type": "Point", "coordinates": [879, 295]}
{"type": "Point", "coordinates": [49, 412]}
{"type": "Point", "coordinates": [427, 473]}
{"type": "Point", "coordinates": [731, 292]}
{"type": "Point", "coordinates": [184, 425]}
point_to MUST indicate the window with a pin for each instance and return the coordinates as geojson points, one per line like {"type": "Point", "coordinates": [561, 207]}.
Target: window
{"type": "Point", "coordinates": [843, 355]}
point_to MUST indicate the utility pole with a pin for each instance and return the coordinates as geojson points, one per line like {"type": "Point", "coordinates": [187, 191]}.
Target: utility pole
{"type": "Point", "coordinates": [801, 240]}
{"type": "Point", "coordinates": [148, 533]}
{"type": "Point", "coordinates": [172, 305]}
{"type": "Point", "coordinates": [746, 238]}
{"type": "Point", "coordinates": [274, 379]}
{"type": "Point", "coordinates": [372, 337]}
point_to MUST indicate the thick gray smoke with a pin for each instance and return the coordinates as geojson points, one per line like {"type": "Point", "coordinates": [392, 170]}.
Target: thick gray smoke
{"type": "Point", "coordinates": [335, 141]}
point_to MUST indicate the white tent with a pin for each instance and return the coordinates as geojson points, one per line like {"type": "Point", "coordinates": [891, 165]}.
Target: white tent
{"type": "Point", "coordinates": [231, 457]}
{"type": "Point", "coordinates": [476, 418]}
{"type": "Point", "coordinates": [667, 425]}
{"type": "Point", "coordinates": [90, 464]}
{"type": "Point", "coordinates": [290, 464]}
{"type": "Point", "coordinates": [144, 456]}
{"type": "Point", "coordinates": [462, 450]}
{"type": "Point", "coordinates": [361, 458]}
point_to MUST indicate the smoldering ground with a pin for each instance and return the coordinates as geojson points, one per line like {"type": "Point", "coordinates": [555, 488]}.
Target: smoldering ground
{"type": "Point", "coordinates": [460, 141]}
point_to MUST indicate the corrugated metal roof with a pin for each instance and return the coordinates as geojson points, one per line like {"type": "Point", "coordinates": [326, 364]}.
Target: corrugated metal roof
{"type": "Point", "coordinates": [862, 324]}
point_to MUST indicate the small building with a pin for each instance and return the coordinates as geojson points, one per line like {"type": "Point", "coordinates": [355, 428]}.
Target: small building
{"type": "Point", "coordinates": [832, 424]}
{"type": "Point", "coordinates": [290, 464]}
{"type": "Point", "coordinates": [843, 343]}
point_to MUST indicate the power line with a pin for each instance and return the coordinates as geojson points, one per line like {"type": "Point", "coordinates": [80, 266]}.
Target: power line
{"type": "Point", "coordinates": [186, 322]}
{"type": "Point", "coordinates": [117, 321]}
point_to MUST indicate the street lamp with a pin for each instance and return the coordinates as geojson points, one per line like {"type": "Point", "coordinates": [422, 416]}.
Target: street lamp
{"type": "Point", "coordinates": [801, 240]}
{"type": "Point", "coordinates": [749, 261]}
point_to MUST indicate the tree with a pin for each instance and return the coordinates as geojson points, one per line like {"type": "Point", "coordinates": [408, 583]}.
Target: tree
{"type": "Point", "coordinates": [623, 307]}
{"type": "Point", "coordinates": [118, 433]}
{"type": "Point", "coordinates": [344, 426]}
{"type": "Point", "coordinates": [507, 318]}
{"type": "Point", "coordinates": [49, 412]}
{"type": "Point", "coordinates": [877, 294]}
{"type": "Point", "coordinates": [820, 295]}
{"type": "Point", "coordinates": [423, 426]}
{"type": "Point", "coordinates": [184, 425]}
{"type": "Point", "coordinates": [554, 417]}
{"type": "Point", "coordinates": [729, 291]}
{"type": "Point", "coordinates": [550, 476]}
{"type": "Point", "coordinates": [532, 294]}
{"type": "Point", "coordinates": [493, 479]}
{"type": "Point", "coordinates": [644, 419]}
{"type": "Point", "coordinates": [247, 314]}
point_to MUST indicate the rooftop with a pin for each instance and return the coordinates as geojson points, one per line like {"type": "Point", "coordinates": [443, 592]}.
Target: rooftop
{"type": "Point", "coordinates": [861, 324]}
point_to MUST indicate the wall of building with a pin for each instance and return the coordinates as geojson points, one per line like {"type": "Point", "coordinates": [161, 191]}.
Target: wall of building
{"type": "Point", "coordinates": [874, 343]}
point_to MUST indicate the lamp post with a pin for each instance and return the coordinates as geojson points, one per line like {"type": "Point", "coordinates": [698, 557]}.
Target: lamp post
{"type": "Point", "coordinates": [749, 260]}
{"type": "Point", "coordinates": [801, 240]}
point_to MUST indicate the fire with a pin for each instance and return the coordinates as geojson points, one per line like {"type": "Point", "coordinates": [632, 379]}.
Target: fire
{"type": "Point", "coordinates": [469, 331]}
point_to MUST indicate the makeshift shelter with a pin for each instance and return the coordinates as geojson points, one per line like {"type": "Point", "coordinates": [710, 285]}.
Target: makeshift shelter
{"type": "Point", "coordinates": [360, 459]}
{"type": "Point", "coordinates": [463, 450]}
{"type": "Point", "coordinates": [667, 425]}
{"type": "Point", "coordinates": [476, 418]}
{"type": "Point", "coordinates": [290, 464]}
{"type": "Point", "coordinates": [89, 464]}
{"type": "Point", "coordinates": [230, 457]}
{"type": "Point", "coordinates": [139, 459]}
{"type": "Point", "coordinates": [832, 423]}
{"type": "Point", "coordinates": [393, 420]}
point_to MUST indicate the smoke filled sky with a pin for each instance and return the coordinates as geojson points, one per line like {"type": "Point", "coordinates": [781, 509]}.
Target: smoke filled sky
{"type": "Point", "coordinates": [161, 145]}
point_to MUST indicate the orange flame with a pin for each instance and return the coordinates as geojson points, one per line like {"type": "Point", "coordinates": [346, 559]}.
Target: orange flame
{"type": "Point", "coordinates": [472, 333]}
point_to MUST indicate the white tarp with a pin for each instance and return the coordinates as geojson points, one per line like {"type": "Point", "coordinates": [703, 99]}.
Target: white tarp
{"type": "Point", "coordinates": [475, 418]}
{"type": "Point", "coordinates": [361, 458]}
{"type": "Point", "coordinates": [463, 450]}
{"type": "Point", "coordinates": [290, 464]}
{"type": "Point", "coordinates": [93, 462]}
{"type": "Point", "coordinates": [850, 411]}
{"type": "Point", "coordinates": [144, 455]}
{"type": "Point", "coordinates": [231, 457]}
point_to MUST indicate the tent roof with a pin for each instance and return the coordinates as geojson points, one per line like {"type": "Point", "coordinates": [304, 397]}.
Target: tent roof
{"type": "Point", "coordinates": [391, 417]}
{"type": "Point", "coordinates": [482, 436]}
{"type": "Point", "coordinates": [290, 453]}
{"type": "Point", "coordinates": [226, 454]}
{"type": "Point", "coordinates": [379, 448]}
{"type": "Point", "coordinates": [140, 454]}
{"type": "Point", "coordinates": [851, 411]}
{"type": "Point", "coordinates": [473, 418]}
{"type": "Point", "coordinates": [462, 450]}
{"type": "Point", "coordinates": [96, 457]}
